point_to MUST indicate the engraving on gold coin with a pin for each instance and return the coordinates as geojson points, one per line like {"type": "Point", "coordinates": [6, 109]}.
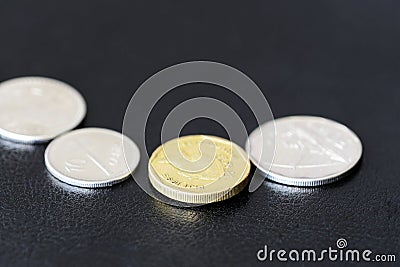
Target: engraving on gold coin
{"type": "Point", "coordinates": [227, 167]}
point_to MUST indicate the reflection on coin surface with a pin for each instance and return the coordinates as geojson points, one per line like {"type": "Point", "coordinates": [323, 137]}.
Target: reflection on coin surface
{"type": "Point", "coordinates": [91, 157]}
{"type": "Point", "coordinates": [225, 175]}
{"type": "Point", "coordinates": [36, 109]}
{"type": "Point", "coordinates": [310, 151]}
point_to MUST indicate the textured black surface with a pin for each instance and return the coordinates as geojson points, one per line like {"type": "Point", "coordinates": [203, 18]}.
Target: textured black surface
{"type": "Point", "coordinates": [337, 59]}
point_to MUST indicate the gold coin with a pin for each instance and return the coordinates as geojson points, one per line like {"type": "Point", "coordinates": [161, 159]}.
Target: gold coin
{"type": "Point", "coordinates": [199, 169]}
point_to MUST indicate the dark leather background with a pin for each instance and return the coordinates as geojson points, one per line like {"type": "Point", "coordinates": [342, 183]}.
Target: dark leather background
{"type": "Point", "coordinates": [337, 59]}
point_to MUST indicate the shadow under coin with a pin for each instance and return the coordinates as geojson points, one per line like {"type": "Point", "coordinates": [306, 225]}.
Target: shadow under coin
{"type": "Point", "coordinates": [343, 180]}
{"type": "Point", "coordinates": [289, 190]}
{"type": "Point", "coordinates": [203, 212]}
{"type": "Point", "coordinates": [75, 189]}
{"type": "Point", "coordinates": [20, 147]}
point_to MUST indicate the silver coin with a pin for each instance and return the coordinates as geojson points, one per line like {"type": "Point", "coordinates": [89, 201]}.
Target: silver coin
{"type": "Point", "coordinates": [92, 157]}
{"type": "Point", "coordinates": [309, 151]}
{"type": "Point", "coordinates": [37, 109]}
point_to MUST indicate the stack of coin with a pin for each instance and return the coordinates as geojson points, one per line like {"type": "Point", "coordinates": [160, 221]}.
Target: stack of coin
{"type": "Point", "coordinates": [199, 169]}
{"type": "Point", "coordinates": [309, 151]}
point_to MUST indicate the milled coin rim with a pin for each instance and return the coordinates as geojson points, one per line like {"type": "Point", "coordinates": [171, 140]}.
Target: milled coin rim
{"type": "Point", "coordinates": [179, 194]}
{"type": "Point", "coordinates": [39, 139]}
{"type": "Point", "coordinates": [91, 184]}
{"type": "Point", "coordinates": [195, 198]}
{"type": "Point", "coordinates": [306, 181]}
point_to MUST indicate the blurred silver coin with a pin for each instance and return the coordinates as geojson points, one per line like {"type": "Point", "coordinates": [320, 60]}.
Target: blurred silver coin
{"type": "Point", "coordinates": [309, 151]}
{"type": "Point", "coordinates": [91, 157]}
{"type": "Point", "coordinates": [37, 109]}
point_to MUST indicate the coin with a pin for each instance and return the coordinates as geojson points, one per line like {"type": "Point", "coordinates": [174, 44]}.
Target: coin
{"type": "Point", "coordinates": [37, 109]}
{"type": "Point", "coordinates": [309, 151]}
{"type": "Point", "coordinates": [193, 180]}
{"type": "Point", "coordinates": [91, 157]}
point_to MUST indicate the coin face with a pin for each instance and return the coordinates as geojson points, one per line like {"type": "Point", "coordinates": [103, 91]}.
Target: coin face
{"type": "Point", "coordinates": [309, 151]}
{"type": "Point", "coordinates": [91, 157]}
{"type": "Point", "coordinates": [36, 109]}
{"type": "Point", "coordinates": [199, 169]}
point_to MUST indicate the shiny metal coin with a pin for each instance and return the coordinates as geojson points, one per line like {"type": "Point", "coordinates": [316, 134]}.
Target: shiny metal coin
{"type": "Point", "coordinates": [199, 169]}
{"type": "Point", "coordinates": [91, 157]}
{"type": "Point", "coordinates": [309, 151]}
{"type": "Point", "coordinates": [36, 109]}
